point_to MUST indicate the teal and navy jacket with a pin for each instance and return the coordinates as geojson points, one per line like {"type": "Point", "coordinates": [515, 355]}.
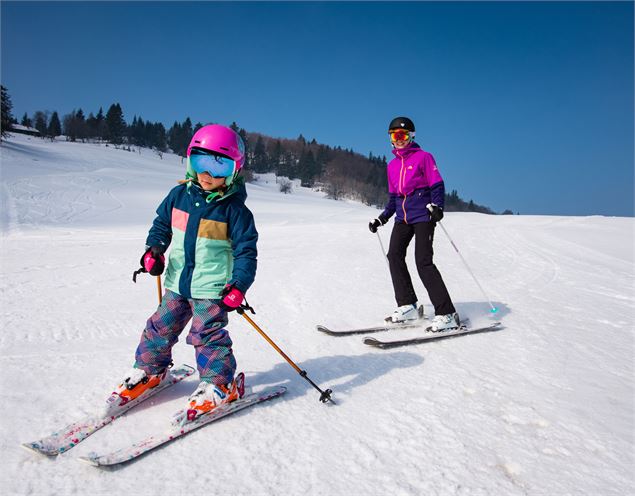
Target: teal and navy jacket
{"type": "Point", "coordinates": [212, 237]}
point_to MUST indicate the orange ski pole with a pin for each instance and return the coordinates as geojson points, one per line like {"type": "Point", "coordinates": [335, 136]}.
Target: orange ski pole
{"type": "Point", "coordinates": [159, 289]}
{"type": "Point", "coordinates": [324, 395]}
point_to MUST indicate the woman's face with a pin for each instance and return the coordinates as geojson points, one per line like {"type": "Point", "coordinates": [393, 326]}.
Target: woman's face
{"type": "Point", "coordinates": [399, 144]}
{"type": "Point", "coordinates": [208, 182]}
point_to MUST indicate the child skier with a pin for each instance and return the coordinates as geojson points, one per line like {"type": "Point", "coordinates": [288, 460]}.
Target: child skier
{"type": "Point", "coordinates": [212, 263]}
{"type": "Point", "coordinates": [416, 195]}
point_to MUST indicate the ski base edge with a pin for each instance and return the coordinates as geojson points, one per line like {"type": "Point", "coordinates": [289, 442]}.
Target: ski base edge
{"type": "Point", "coordinates": [430, 336]}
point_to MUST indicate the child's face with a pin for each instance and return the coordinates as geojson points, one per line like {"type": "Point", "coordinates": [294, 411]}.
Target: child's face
{"type": "Point", "coordinates": [207, 182]}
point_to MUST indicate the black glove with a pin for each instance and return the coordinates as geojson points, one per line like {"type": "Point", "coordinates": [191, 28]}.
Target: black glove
{"type": "Point", "coordinates": [436, 212]}
{"type": "Point", "coordinates": [153, 260]}
{"type": "Point", "coordinates": [374, 224]}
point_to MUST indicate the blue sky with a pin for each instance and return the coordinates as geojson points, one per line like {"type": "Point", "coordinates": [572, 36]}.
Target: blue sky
{"type": "Point", "coordinates": [526, 106]}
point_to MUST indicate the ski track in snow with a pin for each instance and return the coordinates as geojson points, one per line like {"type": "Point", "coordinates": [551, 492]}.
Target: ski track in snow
{"type": "Point", "coordinates": [542, 407]}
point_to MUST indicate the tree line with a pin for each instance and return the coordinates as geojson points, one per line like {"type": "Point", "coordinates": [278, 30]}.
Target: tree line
{"type": "Point", "coordinates": [340, 173]}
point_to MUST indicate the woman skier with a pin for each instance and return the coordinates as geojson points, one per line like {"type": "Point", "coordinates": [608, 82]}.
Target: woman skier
{"type": "Point", "coordinates": [416, 196]}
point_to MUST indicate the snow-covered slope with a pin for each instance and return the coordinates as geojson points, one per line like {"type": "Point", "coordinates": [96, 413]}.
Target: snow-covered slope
{"type": "Point", "coordinates": [543, 407]}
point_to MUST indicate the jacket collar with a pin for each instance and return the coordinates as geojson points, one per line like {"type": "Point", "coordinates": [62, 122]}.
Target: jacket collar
{"type": "Point", "coordinates": [407, 151]}
{"type": "Point", "coordinates": [237, 188]}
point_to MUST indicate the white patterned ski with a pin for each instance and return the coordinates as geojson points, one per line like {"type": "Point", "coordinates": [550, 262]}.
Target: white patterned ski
{"type": "Point", "coordinates": [137, 449]}
{"type": "Point", "coordinates": [64, 439]}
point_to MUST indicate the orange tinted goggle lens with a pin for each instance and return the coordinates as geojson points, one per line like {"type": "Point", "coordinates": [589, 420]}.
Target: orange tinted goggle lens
{"type": "Point", "coordinates": [399, 135]}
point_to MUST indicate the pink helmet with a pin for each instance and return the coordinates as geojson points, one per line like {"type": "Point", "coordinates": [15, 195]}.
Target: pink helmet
{"type": "Point", "coordinates": [219, 139]}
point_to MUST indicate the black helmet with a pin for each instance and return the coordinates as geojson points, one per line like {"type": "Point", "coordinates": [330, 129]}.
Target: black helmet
{"type": "Point", "coordinates": [402, 123]}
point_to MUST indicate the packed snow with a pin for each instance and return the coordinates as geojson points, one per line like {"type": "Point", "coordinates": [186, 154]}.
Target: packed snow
{"type": "Point", "coordinates": [545, 406]}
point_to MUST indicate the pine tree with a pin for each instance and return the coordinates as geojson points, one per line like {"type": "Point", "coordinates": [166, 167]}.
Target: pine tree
{"type": "Point", "coordinates": [75, 126]}
{"type": "Point", "coordinates": [40, 122]}
{"type": "Point", "coordinates": [187, 130]}
{"type": "Point", "coordinates": [115, 124]}
{"type": "Point", "coordinates": [173, 138]}
{"type": "Point", "coordinates": [7, 107]}
{"type": "Point", "coordinates": [100, 125]}
{"type": "Point", "coordinates": [260, 160]}
{"type": "Point", "coordinates": [26, 121]}
{"type": "Point", "coordinates": [54, 127]}
{"type": "Point", "coordinates": [179, 137]}
{"type": "Point", "coordinates": [307, 169]}
{"type": "Point", "coordinates": [136, 132]}
{"type": "Point", "coordinates": [186, 136]}
{"type": "Point", "coordinates": [322, 157]}
{"type": "Point", "coordinates": [80, 125]}
{"type": "Point", "coordinates": [159, 137]}
{"type": "Point", "coordinates": [276, 155]}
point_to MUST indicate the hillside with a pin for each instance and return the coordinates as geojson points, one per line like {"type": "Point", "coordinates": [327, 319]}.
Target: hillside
{"type": "Point", "coordinates": [543, 407]}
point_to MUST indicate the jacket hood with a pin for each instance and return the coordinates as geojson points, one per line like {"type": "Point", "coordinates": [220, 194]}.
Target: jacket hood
{"type": "Point", "coordinates": [237, 190]}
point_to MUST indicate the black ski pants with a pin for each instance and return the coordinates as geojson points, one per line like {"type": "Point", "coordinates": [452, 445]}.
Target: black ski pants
{"type": "Point", "coordinates": [401, 236]}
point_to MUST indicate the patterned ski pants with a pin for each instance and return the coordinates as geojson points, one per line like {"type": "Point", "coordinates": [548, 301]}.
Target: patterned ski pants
{"type": "Point", "coordinates": [213, 347]}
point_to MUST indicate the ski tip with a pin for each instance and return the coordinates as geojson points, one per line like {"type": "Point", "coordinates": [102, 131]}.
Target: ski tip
{"type": "Point", "coordinates": [371, 341]}
{"type": "Point", "coordinates": [326, 330]}
{"type": "Point", "coordinates": [89, 460]}
{"type": "Point", "coordinates": [36, 448]}
{"type": "Point", "coordinates": [493, 325]}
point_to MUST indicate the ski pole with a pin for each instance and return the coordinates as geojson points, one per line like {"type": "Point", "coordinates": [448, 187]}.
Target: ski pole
{"type": "Point", "coordinates": [142, 270]}
{"type": "Point", "coordinates": [493, 308]}
{"type": "Point", "coordinates": [325, 395]}
{"type": "Point", "coordinates": [159, 289]}
{"type": "Point", "coordinates": [382, 250]}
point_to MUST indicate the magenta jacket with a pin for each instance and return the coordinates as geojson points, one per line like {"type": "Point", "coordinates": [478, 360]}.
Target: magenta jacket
{"type": "Point", "coordinates": [413, 182]}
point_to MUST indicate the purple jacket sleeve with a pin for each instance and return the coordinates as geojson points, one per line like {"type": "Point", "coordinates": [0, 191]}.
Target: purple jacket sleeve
{"type": "Point", "coordinates": [433, 176]}
{"type": "Point", "coordinates": [390, 207]}
{"type": "Point", "coordinates": [437, 192]}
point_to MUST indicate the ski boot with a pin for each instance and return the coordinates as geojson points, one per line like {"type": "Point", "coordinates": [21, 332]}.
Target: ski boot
{"type": "Point", "coordinates": [406, 313]}
{"type": "Point", "coordinates": [207, 397]}
{"type": "Point", "coordinates": [136, 382]}
{"type": "Point", "coordinates": [448, 322]}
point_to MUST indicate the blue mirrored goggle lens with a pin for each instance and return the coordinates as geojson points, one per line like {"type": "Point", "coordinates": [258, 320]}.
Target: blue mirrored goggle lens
{"type": "Point", "coordinates": [215, 165]}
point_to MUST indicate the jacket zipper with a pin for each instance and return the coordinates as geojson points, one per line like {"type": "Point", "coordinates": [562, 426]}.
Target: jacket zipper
{"type": "Point", "coordinates": [402, 174]}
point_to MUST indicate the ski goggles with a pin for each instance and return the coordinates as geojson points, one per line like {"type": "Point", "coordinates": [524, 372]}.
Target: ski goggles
{"type": "Point", "coordinates": [400, 135]}
{"type": "Point", "coordinates": [215, 165]}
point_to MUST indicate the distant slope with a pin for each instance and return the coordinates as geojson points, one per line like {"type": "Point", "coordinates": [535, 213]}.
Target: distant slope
{"type": "Point", "coordinates": [543, 407]}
